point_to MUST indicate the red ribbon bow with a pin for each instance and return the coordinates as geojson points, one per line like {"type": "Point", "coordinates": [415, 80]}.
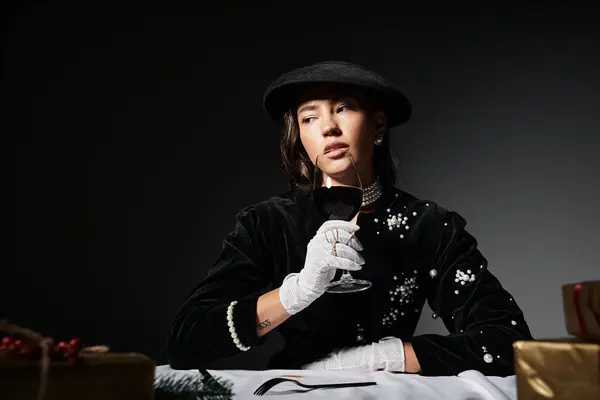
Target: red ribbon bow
{"type": "Point", "coordinates": [576, 299]}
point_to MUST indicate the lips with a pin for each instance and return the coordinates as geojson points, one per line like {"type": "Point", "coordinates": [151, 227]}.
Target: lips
{"type": "Point", "coordinates": [336, 153]}
{"type": "Point", "coordinates": [335, 146]}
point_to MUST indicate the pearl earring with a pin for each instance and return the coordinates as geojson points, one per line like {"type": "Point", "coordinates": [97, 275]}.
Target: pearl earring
{"type": "Point", "coordinates": [378, 141]}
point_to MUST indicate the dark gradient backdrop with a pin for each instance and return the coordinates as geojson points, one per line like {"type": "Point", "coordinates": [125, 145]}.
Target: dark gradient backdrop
{"type": "Point", "coordinates": [139, 134]}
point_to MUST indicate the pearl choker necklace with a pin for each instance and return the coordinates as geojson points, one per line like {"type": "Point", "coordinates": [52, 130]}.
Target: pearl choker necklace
{"type": "Point", "coordinates": [371, 193]}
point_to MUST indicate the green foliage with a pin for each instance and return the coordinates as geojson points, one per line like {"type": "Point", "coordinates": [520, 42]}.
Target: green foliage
{"type": "Point", "coordinates": [190, 387]}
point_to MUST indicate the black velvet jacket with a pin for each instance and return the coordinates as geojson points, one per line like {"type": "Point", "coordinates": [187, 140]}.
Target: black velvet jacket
{"type": "Point", "coordinates": [415, 250]}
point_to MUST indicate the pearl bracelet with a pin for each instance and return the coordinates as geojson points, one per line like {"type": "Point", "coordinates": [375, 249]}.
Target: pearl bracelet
{"type": "Point", "coordinates": [234, 335]}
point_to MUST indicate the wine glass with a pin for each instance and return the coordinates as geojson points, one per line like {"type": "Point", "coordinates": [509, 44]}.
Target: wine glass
{"type": "Point", "coordinates": [338, 195]}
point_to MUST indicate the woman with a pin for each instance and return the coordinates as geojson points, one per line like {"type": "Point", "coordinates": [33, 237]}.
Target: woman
{"type": "Point", "coordinates": [410, 249]}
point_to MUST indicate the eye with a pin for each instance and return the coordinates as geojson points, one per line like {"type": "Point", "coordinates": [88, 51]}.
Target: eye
{"type": "Point", "coordinates": [343, 107]}
{"type": "Point", "coordinates": [307, 120]}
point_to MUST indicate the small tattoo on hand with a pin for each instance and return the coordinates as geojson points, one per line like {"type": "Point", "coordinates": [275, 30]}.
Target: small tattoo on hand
{"type": "Point", "coordinates": [264, 324]}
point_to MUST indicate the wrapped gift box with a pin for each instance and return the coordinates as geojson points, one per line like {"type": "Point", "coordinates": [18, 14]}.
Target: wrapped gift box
{"type": "Point", "coordinates": [581, 303]}
{"type": "Point", "coordinates": [94, 376]}
{"type": "Point", "coordinates": [557, 369]}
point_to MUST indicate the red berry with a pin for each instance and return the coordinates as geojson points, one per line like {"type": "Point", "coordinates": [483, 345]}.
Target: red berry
{"type": "Point", "coordinates": [18, 342]}
{"type": "Point", "coordinates": [6, 340]}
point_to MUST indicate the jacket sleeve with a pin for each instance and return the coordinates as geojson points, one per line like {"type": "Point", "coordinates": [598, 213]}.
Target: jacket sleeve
{"type": "Point", "coordinates": [199, 333]}
{"type": "Point", "coordinates": [482, 317]}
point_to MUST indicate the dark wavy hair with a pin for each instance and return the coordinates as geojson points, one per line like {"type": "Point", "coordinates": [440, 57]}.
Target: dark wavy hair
{"type": "Point", "coordinates": [300, 168]}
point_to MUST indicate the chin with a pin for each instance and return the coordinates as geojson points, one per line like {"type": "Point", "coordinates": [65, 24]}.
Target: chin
{"type": "Point", "coordinates": [339, 168]}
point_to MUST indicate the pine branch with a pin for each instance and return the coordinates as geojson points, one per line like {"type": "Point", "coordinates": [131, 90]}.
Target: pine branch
{"type": "Point", "coordinates": [171, 387]}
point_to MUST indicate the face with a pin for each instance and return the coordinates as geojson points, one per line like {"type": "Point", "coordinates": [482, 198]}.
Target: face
{"type": "Point", "coordinates": [329, 117]}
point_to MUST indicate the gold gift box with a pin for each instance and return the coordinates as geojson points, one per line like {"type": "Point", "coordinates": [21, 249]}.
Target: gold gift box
{"type": "Point", "coordinates": [557, 369]}
{"type": "Point", "coordinates": [581, 304]}
{"type": "Point", "coordinates": [112, 376]}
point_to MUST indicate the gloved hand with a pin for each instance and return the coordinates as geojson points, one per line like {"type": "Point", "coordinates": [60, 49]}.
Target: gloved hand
{"type": "Point", "coordinates": [387, 355]}
{"type": "Point", "coordinates": [333, 246]}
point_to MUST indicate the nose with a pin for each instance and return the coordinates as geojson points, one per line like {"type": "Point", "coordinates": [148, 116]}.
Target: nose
{"type": "Point", "coordinates": [329, 127]}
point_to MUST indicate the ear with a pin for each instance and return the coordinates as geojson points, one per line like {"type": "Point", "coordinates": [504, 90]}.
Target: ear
{"type": "Point", "coordinates": [380, 123]}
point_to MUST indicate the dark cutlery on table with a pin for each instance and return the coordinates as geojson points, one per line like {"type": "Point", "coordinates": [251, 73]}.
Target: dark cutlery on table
{"type": "Point", "coordinates": [265, 387]}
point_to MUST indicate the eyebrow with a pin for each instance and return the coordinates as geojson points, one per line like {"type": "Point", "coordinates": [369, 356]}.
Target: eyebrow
{"type": "Point", "coordinates": [312, 107]}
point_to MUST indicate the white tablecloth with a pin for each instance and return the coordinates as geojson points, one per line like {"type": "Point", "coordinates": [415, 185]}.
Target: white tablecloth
{"type": "Point", "coordinates": [470, 385]}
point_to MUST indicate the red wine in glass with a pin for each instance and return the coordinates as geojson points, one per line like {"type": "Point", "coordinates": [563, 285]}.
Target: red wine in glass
{"type": "Point", "coordinates": [339, 201]}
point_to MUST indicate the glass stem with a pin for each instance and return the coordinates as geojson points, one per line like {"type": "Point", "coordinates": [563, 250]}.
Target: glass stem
{"type": "Point", "coordinates": [346, 276]}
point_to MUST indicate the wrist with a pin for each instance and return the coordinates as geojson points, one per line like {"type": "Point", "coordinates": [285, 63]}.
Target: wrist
{"type": "Point", "coordinates": [292, 297]}
{"type": "Point", "coordinates": [410, 359]}
{"type": "Point", "coordinates": [390, 354]}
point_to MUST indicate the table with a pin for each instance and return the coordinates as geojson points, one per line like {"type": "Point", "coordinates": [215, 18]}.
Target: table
{"type": "Point", "coordinates": [470, 385]}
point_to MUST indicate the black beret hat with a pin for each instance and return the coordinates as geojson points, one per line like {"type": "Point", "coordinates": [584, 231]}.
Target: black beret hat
{"type": "Point", "coordinates": [281, 93]}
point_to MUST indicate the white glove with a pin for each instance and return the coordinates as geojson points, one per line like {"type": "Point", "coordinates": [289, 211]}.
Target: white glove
{"type": "Point", "coordinates": [323, 257]}
{"type": "Point", "coordinates": [387, 355]}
